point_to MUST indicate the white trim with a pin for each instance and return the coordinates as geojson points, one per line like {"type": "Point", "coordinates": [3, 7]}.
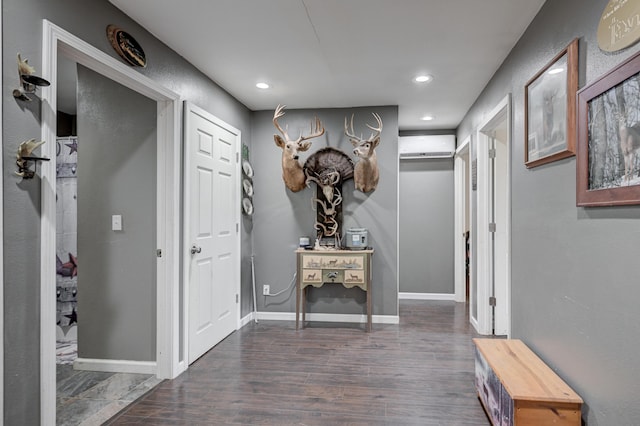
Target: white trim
{"type": "Point", "coordinates": [186, 255]}
{"type": "Point", "coordinates": [484, 272]}
{"type": "Point", "coordinates": [246, 319]}
{"type": "Point", "coordinates": [397, 229]}
{"type": "Point", "coordinates": [347, 318]}
{"type": "Point", "coordinates": [427, 296]}
{"type": "Point", "coordinates": [1, 245]}
{"type": "Point", "coordinates": [464, 146]}
{"type": "Point", "coordinates": [115, 366]}
{"type": "Point", "coordinates": [58, 41]}
{"type": "Point", "coordinates": [461, 167]}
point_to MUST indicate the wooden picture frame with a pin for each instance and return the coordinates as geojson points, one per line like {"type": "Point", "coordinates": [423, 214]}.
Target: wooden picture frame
{"type": "Point", "coordinates": [550, 111]}
{"type": "Point", "coordinates": [608, 158]}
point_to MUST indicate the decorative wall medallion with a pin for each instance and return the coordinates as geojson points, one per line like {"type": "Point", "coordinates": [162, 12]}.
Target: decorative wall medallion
{"type": "Point", "coordinates": [247, 187]}
{"type": "Point", "coordinates": [247, 206]}
{"type": "Point", "coordinates": [126, 46]}
{"type": "Point", "coordinates": [619, 25]}
{"type": "Point", "coordinates": [247, 169]}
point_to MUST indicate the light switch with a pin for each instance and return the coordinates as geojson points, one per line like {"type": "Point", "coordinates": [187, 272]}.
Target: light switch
{"type": "Point", "coordinates": [116, 222]}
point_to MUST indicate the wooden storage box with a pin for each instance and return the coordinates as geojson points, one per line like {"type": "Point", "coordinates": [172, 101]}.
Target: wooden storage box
{"type": "Point", "coordinates": [517, 388]}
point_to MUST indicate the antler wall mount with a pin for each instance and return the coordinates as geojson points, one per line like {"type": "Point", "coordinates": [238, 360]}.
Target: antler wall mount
{"type": "Point", "coordinates": [28, 81]}
{"type": "Point", "coordinates": [328, 168]}
{"type": "Point", "coordinates": [25, 157]}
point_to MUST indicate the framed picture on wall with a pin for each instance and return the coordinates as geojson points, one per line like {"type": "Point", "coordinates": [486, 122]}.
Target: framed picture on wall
{"type": "Point", "coordinates": [550, 113]}
{"type": "Point", "coordinates": [608, 157]}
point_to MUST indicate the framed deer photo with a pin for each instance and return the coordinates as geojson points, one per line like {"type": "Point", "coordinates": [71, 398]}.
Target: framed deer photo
{"type": "Point", "coordinates": [607, 169]}
{"type": "Point", "coordinates": [550, 113]}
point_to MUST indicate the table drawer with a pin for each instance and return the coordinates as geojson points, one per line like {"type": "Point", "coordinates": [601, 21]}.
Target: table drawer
{"type": "Point", "coordinates": [311, 276]}
{"type": "Point", "coordinates": [333, 261]}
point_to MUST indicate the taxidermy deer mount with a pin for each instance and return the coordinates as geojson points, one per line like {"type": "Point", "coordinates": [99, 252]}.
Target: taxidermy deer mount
{"type": "Point", "coordinates": [328, 168]}
{"type": "Point", "coordinates": [292, 172]}
{"type": "Point", "coordinates": [366, 174]}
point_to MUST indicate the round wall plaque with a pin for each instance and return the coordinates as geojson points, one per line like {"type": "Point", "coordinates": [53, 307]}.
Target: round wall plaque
{"type": "Point", "coordinates": [619, 25]}
{"type": "Point", "coordinates": [126, 46]}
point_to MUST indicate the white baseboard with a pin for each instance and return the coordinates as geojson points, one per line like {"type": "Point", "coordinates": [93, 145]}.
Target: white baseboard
{"type": "Point", "coordinates": [427, 296]}
{"type": "Point", "coordinates": [352, 318]}
{"type": "Point", "coordinates": [115, 365]}
{"type": "Point", "coordinates": [246, 320]}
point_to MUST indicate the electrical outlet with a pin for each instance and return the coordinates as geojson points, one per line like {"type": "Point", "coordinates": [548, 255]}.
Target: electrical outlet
{"type": "Point", "coordinates": [265, 290]}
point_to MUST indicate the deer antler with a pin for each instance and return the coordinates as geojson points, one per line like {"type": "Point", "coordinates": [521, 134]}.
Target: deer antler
{"type": "Point", "coordinates": [378, 129]}
{"type": "Point", "coordinates": [348, 130]}
{"type": "Point", "coordinates": [318, 131]}
{"type": "Point", "coordinates": [279, 112]}
{"type": "Point", "coordinates": [311, 178]}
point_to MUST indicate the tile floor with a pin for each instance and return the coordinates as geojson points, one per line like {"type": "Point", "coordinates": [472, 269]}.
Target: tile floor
{"type": "Point", "coordinates": [92, 397]}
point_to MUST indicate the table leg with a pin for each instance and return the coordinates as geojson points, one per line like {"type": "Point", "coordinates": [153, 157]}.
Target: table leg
{"type": "Point", "coordinates": [297, 303]}
{"type": "Point", "coordinates": [304, 305]}
{"type": "Point", "coordinates": [369, 294]}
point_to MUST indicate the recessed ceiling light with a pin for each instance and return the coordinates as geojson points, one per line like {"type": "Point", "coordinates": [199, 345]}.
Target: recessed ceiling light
{"type": "Point", "coordinates": [262, 85]}
{"type": "Point", "coordinates": [423, 78]}
{"type": "Point", "coordinates": [427, 118]}
{"type": "Point", "coordinates": [556, 70]}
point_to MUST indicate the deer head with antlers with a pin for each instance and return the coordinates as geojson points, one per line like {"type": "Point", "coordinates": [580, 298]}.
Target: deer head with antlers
{"type": "Point", "coordinates": [292, 173]}
{"type": "Point", "coordinates": [365, 174]}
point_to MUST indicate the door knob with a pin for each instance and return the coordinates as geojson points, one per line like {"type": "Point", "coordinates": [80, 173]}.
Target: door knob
{"type": "Point", "coordinates": [195, 249]}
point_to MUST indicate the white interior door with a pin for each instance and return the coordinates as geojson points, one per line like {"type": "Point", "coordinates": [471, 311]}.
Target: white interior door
{"type": "Point", "coordinates": [213, 235]}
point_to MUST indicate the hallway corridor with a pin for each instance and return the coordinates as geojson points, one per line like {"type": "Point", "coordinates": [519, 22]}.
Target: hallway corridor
{"type": "Point", "coordinates": [420, 372]}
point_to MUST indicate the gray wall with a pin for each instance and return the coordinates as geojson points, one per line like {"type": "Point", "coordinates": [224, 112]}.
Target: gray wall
{"type": "Point", "coordinates": [87, 19]}
{"type": "Point", "coordinates": [116, 175]}
{"type": "Point", "coordinates": [282, 216]}
{"type": "Point", "coordinates": [574, 270]}
{"type": "Point", "coordinates": [426, 226]}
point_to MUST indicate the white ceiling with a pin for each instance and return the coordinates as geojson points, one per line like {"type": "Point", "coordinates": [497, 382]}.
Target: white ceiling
{"type": "Point", "coordinates": [343, 53]}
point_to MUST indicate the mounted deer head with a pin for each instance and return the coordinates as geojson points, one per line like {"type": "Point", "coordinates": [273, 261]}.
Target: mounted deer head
{"type": "Point", "coordinates": [294, 177]}
{"type": "Point", "coordinates": [365, 174]}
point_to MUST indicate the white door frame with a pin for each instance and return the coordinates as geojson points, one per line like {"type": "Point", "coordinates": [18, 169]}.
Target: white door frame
{"type": "Point", "coordinates": [461, 169]}
{"type": "Point", "coordinates": [1, 245]}
{"type": "Point", "coordinates": [168, 363]}
{"type": "Point", "coordinates": [484, 325]}
{"type": "Point", "coordinates": [186, 215]}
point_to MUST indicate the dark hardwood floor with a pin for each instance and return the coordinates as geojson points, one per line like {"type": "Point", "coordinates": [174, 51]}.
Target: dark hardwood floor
{"type": "Point", "coordinates": [419, 372]}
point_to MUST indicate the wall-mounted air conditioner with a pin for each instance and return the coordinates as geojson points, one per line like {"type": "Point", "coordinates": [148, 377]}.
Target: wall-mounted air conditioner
{"type": "Point", "coordinates": [426, 146]}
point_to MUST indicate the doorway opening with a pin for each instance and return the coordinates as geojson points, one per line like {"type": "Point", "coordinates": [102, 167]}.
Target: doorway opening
{"type": "Point", "coordinates": [167, 363]}
{"type": "Point", "coordinates": [66, 215]}
{"type": "Point", "coordinates": [491, 310]}
{"type": "Point", "coordinates": [462, 225]}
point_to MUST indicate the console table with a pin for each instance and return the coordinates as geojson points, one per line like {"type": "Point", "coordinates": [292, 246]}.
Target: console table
{"type": "Point", "coordinates": [351, 268]}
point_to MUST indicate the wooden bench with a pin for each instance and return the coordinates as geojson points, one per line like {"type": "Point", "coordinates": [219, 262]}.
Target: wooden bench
{"type": "Point", "coordinates": [517, 388]}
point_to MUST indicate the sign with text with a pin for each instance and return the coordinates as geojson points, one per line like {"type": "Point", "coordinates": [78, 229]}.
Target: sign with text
{"type": "Point", "coordinates": [619, 25]}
